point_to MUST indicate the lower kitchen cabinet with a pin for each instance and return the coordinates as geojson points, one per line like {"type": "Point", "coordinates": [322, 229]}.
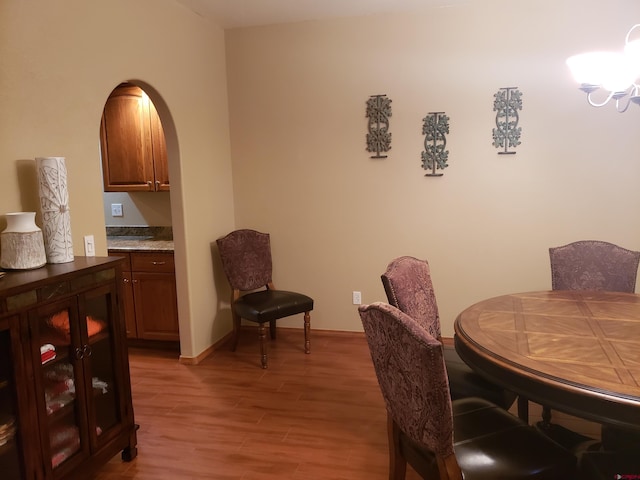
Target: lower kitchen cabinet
{"type": "Point", "coordinates": [65, 391]}
{"type": "Point", "coordinates": [150, 299]}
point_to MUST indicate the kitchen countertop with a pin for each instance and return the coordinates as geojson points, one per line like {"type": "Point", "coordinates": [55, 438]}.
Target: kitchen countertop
{"type": "Point", "coordinates": [139, 239]}
{"type": "Point", "coordinates": [138, 244]}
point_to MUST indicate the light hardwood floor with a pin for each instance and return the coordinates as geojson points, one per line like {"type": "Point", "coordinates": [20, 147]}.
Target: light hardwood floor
{"type": "Point", "coordinates": [307, 417]}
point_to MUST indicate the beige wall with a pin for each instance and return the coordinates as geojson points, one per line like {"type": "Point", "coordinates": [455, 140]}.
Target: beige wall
{"type": "Point", "coordinates": [297, 98]}
{"type": "Point", "coordinates": [297, 115]}
{"type": "Point", "coordinates": [60, 61]}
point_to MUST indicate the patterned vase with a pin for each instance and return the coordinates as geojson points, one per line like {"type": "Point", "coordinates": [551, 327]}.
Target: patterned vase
{"type": "Point", "coordinates": [54, 205]}
{"type": "Point", "coordinates": [22, 243]}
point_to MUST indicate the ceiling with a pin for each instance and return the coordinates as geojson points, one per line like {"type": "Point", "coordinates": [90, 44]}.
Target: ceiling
{"type": "Point", "coordinates": [247, 13]}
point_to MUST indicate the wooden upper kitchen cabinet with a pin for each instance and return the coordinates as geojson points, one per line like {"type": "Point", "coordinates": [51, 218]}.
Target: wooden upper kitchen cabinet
{"type": "Point", "coordinates": [134, 154]}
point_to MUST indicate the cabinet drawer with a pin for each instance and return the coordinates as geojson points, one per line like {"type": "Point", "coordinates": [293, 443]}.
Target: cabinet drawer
{"type": "Point", "coordinates": [126, 266]}
{"type": "Point", "coordinates": [152, 262]}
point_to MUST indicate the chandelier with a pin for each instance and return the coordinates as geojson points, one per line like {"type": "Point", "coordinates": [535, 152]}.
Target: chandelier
{"type": "Point", "coordinates": [609, 76]}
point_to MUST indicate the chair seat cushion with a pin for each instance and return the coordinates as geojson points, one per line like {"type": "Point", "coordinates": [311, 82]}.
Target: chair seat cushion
{"type": "Point", "coordinates": [267, 305]}
{"type": "Point", "coordinates": [620, 439]}
{"type": "Point", "coordinates": [609, 465]}
{"type": "Point", "coordinates": [464, 382]}
{"type": "Point", "coordinates": [490, 444]}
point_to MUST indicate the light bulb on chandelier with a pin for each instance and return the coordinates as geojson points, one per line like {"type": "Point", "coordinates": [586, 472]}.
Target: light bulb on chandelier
{"type": "Point", "coordinates": [614, 72]}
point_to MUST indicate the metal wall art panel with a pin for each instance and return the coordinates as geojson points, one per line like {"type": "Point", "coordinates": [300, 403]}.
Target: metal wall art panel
{"type": "Point", "coordinates": [435, 127]}
{"type": "Point", "coordinates": [507, 103]}
{"type": "Point", "coordinates": [379, 137]}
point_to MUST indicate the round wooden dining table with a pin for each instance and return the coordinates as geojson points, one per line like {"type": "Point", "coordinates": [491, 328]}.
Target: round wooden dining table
{"type": "Point", "coordinates": [574, 351]}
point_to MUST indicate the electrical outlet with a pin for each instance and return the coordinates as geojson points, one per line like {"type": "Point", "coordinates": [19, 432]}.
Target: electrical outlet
{"type": "Point", "coordinates": [357, 298]}
{"type": "Point", "coordinates": [89, 246]}
{"type": "Point", "coordinates": [116, 210]}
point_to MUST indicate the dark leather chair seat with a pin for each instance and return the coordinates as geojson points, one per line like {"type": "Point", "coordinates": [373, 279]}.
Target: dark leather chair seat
{"type": "Point", "coordinates": [600, 465]}
{"type": "Point", "coordinates": [268, 305]}
{"type": "Point", "coordinates": [492, 444]}
{"type": "Point", "coordinates": [617, 439]}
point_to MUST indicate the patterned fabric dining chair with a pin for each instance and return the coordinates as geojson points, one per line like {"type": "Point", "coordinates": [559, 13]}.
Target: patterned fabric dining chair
{"type": "Point", "coordinates": [408, 285]}
{"type": "Point", "coordinates": [595, 265]}
{"type": "Point", "coordinates": [468, 438]}
{"type": "Point", "coordinates": [247, 263]}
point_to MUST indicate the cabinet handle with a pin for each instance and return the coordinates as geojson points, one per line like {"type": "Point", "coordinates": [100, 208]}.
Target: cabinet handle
{"type": "Point", "coordinates": [157, 183]}
{"type": "Point", "coordinates": [85, 351]}
{"type": "Point", "coordinates": [150, 184]}
{"type": "Point", "coordinates": [158, 263]}
{"type": "Point", "coordinates": [125, 280]}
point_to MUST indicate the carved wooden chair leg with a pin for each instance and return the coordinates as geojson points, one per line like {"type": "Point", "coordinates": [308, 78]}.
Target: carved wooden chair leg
{"type": "Point", "coordinates": [307, 332]}
{"type": "Point", "coordinates": [272, 329]}
{"type": "Point", "coordinates": [263, 345]}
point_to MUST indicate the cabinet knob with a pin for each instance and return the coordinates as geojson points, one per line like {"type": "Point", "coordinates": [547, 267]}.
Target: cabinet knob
{"type": "Point", "coordinates": [79, 353]}
{"type": "Point", "coordinates": [125, 280]}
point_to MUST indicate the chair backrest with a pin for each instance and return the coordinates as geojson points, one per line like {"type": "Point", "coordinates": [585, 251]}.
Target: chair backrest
{"type": "Point", "coordinates": [409, 365]}
{"type": "Point", "coordinates": [246, 259]}
{"type": "Point", "coordinates": [407, 283]}
{"type": "Point", "coordinates": [593, 265]}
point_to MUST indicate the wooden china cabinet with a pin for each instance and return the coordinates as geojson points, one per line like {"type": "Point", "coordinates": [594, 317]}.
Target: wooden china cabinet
{"type": "Point", "coordinates": [14, 401]}
{"type": "Point", "coordinates": [65, 393]}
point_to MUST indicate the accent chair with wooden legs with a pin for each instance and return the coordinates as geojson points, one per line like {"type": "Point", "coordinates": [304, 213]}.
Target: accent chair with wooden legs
{"type": "Point", "coordinates": [247, 263]}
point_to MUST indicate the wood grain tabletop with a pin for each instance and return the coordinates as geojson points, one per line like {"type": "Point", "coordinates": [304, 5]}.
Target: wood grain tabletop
{"type": "Point", "coordinates": [576, 351]}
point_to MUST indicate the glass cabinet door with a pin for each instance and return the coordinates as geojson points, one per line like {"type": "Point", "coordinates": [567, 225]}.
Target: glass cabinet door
{"type": "Point", "coordinates": [11, 458]}
{"type": "Point", "coordinates": [76, 352]}
{"type": "Point", "coordinates": [98, 311]}
{"type": "Point", "coordinates": [59, 384]}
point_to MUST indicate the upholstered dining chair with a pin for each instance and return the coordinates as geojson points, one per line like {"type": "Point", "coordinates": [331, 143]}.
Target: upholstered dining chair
{"type": "Point", "coordinates": [408, 285]}
{"type": "Point", "coordinates": [468, 438]}
{"type": "Point", "coordinates": [595, 265]}
{"type": "Point", "coordinates": [247, 263]}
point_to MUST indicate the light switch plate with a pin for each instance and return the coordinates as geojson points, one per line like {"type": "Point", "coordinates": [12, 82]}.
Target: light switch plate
{"type": "Point", "coordinates": [357, 298]}
{"type": "Point", "coordinates": [116, 210]}
{"type": "Point", "coordinates": [89, 246]}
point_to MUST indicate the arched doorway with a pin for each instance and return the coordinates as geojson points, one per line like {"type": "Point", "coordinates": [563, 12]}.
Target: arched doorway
{"type": "Point", "coordinates": [138, 209]}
